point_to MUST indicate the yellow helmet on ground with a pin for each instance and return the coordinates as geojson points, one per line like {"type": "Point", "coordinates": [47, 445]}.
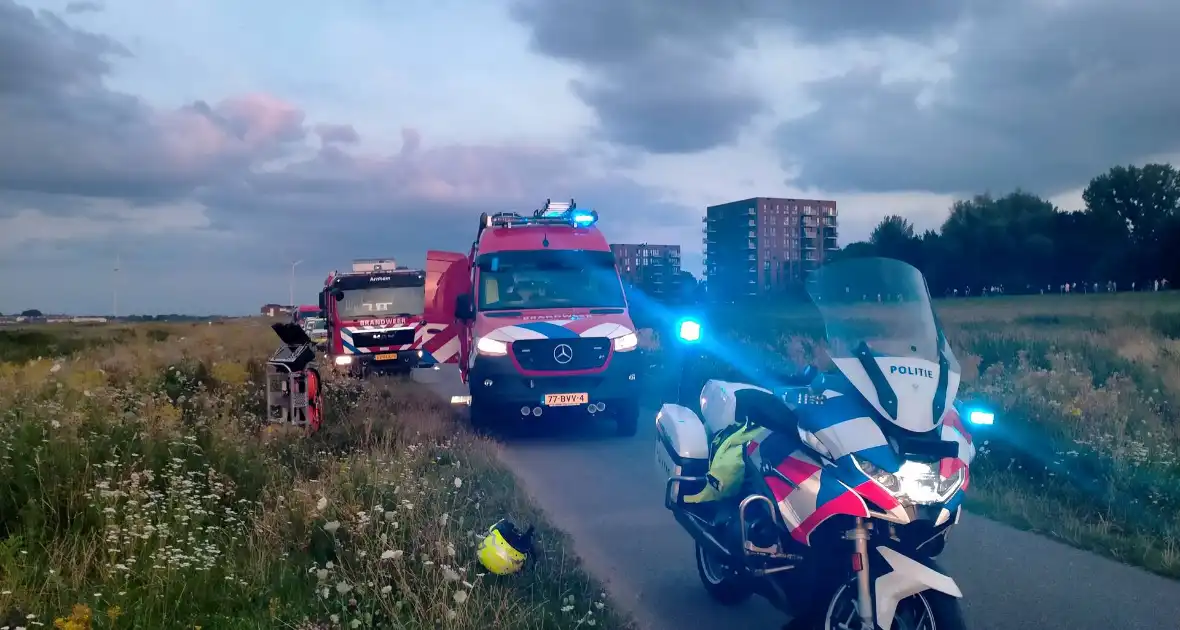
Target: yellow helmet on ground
{"type": "Point", "coordinates": [504, 549]}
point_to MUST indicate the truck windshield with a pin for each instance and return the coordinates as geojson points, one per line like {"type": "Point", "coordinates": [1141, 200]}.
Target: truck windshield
{"type": "Point", "coordinates": [548, 279]}
{"type": "Point", "coordinates": [381, 302]}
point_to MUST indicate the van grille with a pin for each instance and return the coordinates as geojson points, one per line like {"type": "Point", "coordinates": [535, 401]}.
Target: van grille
{"type": "Point", "coordinates": [383, 338]}
{"type": "Point", "coordinates": [538, 354]}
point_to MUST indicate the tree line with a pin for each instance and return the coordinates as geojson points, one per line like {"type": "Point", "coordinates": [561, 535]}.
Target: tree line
{"type": "Point", "coordinates": [1128, 233]}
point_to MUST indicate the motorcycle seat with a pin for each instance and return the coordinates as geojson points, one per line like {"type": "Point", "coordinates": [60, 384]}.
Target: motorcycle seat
{"type": "Point", "coordinates": [765, 410]}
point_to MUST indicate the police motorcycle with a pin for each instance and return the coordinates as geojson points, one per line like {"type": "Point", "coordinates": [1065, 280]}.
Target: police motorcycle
{"type": "Point", "coordinates": [833, 492]}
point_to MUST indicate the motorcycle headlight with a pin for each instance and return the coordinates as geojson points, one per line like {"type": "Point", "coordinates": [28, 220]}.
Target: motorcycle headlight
{"type": "Point", "coordinates": [917, 483]}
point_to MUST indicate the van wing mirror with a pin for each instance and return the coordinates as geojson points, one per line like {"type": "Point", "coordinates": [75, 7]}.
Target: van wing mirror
{"type": "Point", "coordinates": [464, 307]}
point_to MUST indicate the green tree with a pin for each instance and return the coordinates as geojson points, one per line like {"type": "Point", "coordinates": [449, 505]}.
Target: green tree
{"type": "Point", "coordinates": [1006, 241]}
{"type": "Point", "coordinates": [894, 238]}
{"type": "Point", "coordinates": [859, 249]}
{"type": "Point", "coordinates": [1135, 208]}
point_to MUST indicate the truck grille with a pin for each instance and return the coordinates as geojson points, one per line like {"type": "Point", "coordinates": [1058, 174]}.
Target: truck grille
{"type": "Point", "coordinates": [384, 338]}
{"type": "Point", "coordinates": [538, 354]}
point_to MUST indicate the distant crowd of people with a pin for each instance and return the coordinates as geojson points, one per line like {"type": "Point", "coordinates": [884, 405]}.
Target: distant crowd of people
{"type": "Point", "coordinates": [1110, 286]}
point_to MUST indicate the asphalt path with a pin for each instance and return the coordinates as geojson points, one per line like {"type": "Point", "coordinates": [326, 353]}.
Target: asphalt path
{"type": "Point", "coordinates": [604, 492]}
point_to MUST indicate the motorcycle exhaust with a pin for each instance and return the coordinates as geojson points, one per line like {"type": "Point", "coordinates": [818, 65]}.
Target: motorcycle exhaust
{"type": "Point", "coordinates": [696, 528]}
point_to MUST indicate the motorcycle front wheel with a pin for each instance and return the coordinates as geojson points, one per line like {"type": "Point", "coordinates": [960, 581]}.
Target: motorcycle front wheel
{"type": "Point", "coordinates": [723, 584]}
{"type": "Point", "coordinates": [928, 610]}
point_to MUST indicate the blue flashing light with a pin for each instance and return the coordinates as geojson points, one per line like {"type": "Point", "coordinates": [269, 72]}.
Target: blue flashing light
{"type": "Point", "coordinates": [980, 417]}
{"type": "Point", "coordinates": [689, 331]}
{"type": "Point", "coordinates": [583, 218]}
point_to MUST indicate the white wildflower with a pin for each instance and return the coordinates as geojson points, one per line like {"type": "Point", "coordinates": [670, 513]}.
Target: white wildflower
{"type": "Point", "coordinates": [331, 526]}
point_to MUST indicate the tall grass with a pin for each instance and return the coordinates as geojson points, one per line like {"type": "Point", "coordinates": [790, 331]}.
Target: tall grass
{"type": "Point", "coordinates": [140, 488]}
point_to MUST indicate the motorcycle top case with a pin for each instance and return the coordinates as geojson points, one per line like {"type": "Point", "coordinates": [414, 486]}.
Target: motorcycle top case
{"type": "Point", "coordinates": [682, 448]}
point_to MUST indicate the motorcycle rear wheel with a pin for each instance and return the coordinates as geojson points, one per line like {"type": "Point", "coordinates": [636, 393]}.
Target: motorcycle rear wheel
{"type": "Point", "coordinates": [723, 584]}
{"type": "Point", "coordinates": [933, 611]}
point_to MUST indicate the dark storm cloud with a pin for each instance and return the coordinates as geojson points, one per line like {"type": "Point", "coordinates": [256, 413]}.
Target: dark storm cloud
{"type": "Point", "coordinates": [337, 134]}
{"type": "Point", "coordinates": [84, 6]}
{"type": "Point", "coordinates": [105, 165]}
{"type": "Point", "coordinates": [659, 76]}
{"type": "Point", "coordinates": [41, 54]}
{"type": "Point", "coordinates": [1044, 96]}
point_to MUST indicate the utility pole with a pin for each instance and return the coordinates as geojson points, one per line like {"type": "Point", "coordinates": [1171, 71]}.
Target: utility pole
{"type": "Point", "coordinates": [115, 289]}
{"type": "Point", "coordinates": [292, 296]}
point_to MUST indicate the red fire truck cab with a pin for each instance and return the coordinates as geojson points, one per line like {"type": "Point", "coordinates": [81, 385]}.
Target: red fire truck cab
{"type": "Point", "coordinates": [541, 318]}
{"type": "Point", "coordinates": [375, 317]}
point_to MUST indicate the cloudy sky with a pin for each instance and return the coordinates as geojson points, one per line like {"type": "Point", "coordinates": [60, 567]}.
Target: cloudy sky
{"type": "Point", "coordinates": [208, 143]}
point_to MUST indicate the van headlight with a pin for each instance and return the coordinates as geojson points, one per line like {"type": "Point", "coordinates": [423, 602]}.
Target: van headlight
{"type": "Point", "coordinates": [917, 483]}
{"type": "Point", "coordinates": [343, 359]}
{"type": "Point", "coordinates": [626, 343]}
{"type": "Point", "coordinates": [491, 347]}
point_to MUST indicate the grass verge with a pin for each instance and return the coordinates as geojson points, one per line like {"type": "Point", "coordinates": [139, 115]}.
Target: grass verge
{"type": "Point", "coordinates": [139, 488]}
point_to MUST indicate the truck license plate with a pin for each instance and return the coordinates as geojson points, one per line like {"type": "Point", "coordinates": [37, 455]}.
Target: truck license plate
{"type": "Point", "coordinates": [566, 400]}
{"type": "Point", "coordinates": [386, 357]}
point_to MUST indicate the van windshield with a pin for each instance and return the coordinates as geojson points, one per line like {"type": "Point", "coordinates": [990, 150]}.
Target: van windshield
{"type": "Point", "coordinates": [548, 279]}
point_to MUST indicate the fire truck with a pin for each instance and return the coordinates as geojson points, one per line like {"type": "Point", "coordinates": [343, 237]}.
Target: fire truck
{"type": "Point", "coordinates": [304, 312]}
{"type": "Point", "coordinates": [375, 318]}
{"type": "Point", "coordinates": [541, 319]}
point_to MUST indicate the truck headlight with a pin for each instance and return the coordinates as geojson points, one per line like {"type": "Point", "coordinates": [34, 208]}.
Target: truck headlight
{"type": "Point", "coordinates": [343, 359]}
{"type": "Point", "coordinates": [626, 343]}
{"type": "Point", "coordinates": [917, 483]}
{"type": "Point", "coordinates": [491, 347]}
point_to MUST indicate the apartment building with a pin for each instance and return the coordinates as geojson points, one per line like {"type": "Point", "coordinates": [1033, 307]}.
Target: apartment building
{"type": "Point", "coordinates": [765, 245]}
{"type": "Point", "coordinates": [652, 269]}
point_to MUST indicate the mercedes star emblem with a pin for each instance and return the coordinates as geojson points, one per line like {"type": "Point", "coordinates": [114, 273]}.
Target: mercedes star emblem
{"type": "Point", "coordinates": [563, 353]}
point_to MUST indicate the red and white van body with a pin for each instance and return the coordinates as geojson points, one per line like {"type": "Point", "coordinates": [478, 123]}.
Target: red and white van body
{"type": "Point", "coordinates": [571, 344]}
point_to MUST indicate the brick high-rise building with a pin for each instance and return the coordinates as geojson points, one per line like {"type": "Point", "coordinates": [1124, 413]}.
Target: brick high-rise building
{"type": "Point", "coordinates": [765, 245]}
{"type": "Point", "coordinates": [653, 269]}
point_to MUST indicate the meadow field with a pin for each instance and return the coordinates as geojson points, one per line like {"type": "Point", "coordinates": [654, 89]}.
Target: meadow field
{"type": "Point", "coordinates": [140, 488]}
{"type": "Point", "coordinates": [1087, 394]}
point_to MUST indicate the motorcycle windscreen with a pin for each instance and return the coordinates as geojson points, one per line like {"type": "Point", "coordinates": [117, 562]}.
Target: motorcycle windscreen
{"type": "Point", "coordinates": [883, 335]}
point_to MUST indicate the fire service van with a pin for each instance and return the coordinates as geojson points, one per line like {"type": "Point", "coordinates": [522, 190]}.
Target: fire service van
{"type": "Point", "coordinates": [542, 319]}
{"type": "Point", "coordinates": [375, 317]}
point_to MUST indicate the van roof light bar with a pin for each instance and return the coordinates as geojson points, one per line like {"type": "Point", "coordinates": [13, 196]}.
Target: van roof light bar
{"type": "Point", "coordinates": [553, 213]}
